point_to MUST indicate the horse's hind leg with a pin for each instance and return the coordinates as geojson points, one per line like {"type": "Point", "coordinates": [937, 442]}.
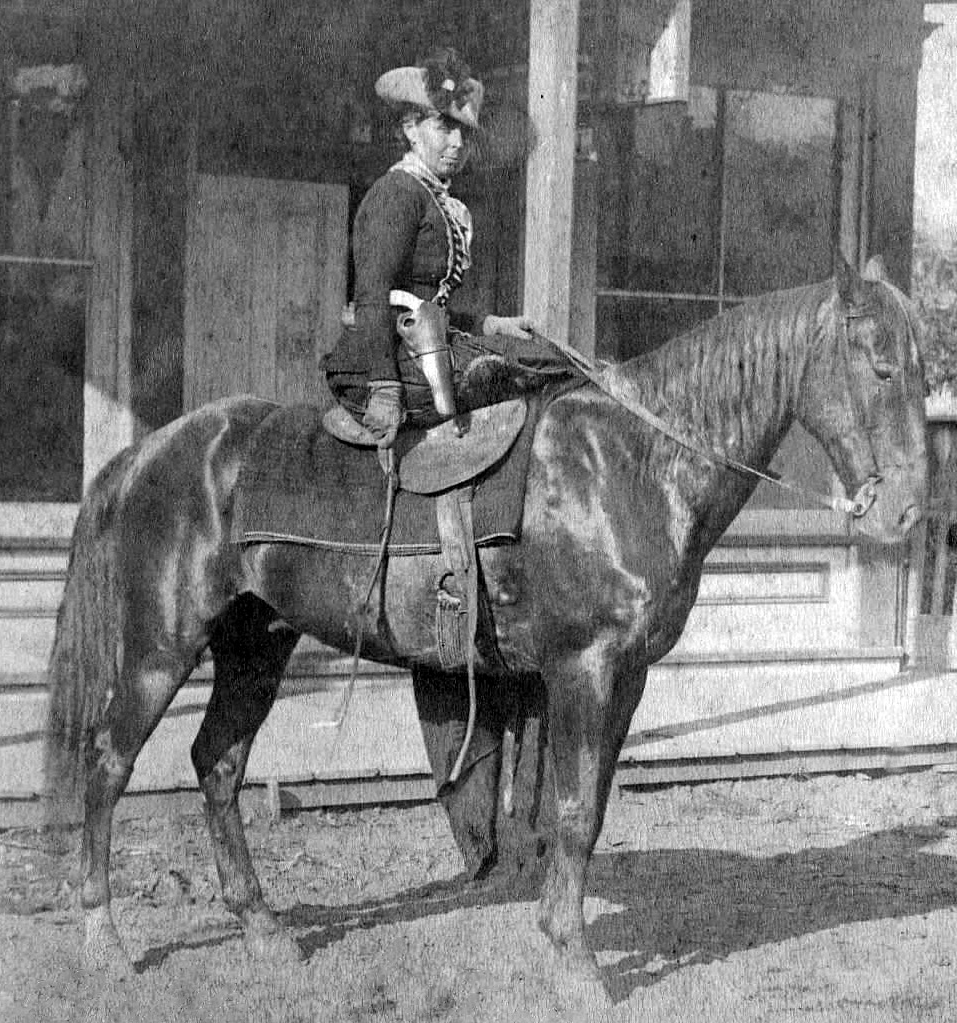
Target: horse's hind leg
{"type": "Point", "coordinates": [249, 660]}
{"type": "Point", "coordinates": [146, 688]}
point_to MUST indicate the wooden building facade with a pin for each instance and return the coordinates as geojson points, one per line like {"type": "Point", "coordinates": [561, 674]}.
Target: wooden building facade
{"type": "Point", "coordinates": [179, 179]}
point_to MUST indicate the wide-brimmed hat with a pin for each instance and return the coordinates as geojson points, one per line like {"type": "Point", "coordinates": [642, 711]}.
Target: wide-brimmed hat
{"type": "Point", "coordinates": [441, 86]}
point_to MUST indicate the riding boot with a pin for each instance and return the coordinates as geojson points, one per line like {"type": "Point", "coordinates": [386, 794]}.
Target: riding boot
{"type": "Point", "coordinates": [485, 837]}
{"type": "Point", "coordinates": [522, 834]}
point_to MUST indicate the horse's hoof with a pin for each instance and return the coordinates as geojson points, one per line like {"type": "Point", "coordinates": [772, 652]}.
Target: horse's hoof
{"type": "Point", "coordinates": [103, 953]}
{"type": "Point", "coordinates": [580, 983]}
{"type": "Point", "coordinates": [277, 948]}
{"type": "Point", "coordinates": [265, 939]}
{"type": "Point", "coordinates": [107, 962]}
{"type": "Point", "coordinates": [587, 998]}
{"type": "Point", "coordinates": [580, 980]}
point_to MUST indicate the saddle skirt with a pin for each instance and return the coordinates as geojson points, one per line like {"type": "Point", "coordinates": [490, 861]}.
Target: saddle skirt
{"type": "Point", "coordinates": [301, 485]}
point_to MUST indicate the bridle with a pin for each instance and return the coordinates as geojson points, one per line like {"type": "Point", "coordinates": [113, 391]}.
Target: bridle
{"type": "Point", "coordinates": [867, 493]}
{"type": "Point", "coordinates": [602, 375]}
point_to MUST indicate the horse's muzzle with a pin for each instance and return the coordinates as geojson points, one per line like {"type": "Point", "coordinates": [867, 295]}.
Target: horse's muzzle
{"type": "Point", "coordinates": [886, 508]}
{"type": "Point", "coordinates": [865, 497]}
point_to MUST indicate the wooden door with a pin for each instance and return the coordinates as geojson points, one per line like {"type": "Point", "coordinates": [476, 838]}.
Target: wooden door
{"type": "Point", "coordinates": [266, 265]}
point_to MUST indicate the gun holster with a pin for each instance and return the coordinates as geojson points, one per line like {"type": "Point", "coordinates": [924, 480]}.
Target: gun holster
{"type": "Point", "coordinates": [423, 327]}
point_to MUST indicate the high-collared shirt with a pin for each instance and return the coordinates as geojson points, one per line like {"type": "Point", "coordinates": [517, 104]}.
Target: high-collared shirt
{"type": "Point", "coordinates": [409, 234]}
{"type": "Point", "coordinates": [458, 223]}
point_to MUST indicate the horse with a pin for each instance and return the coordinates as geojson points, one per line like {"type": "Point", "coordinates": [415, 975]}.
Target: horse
{"type": "Point", "coordinates": [618, 519]}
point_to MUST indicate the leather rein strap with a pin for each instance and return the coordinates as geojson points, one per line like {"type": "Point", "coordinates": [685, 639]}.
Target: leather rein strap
{"type": "Point", "coordinates": [605, 381]}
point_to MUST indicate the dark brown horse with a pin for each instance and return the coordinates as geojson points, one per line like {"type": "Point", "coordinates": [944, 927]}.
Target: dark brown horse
{"type": "Point", "coordinates": [618, 520]}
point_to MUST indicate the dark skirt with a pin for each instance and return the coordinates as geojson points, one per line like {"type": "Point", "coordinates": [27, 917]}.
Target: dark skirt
{"type": "Point", "coordinates": [486, 370]}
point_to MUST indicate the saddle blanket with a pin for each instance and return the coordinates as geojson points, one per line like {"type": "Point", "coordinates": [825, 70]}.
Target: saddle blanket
{"type": "Point", "coordinates": [301, 485]}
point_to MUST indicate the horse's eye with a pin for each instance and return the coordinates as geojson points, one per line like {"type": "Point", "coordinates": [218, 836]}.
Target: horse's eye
{"type": "Point", "coordinates": [885, 370]}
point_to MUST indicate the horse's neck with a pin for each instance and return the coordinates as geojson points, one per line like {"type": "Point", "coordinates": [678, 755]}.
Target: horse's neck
{"type": "Point", "coordinates": [730, 386]}
{"type": "Point", "coordinates": [732, 383]}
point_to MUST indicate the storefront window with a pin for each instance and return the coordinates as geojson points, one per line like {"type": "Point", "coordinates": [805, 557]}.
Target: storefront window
{"type": "Point", "coordinates": [780, 208]}
{"type": "Point", "coordinates": [43, 280]}
{"type": "Point", "coordinates": [729, 195]}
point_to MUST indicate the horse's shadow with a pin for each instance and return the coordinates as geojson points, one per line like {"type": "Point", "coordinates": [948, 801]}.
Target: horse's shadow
{"type": "Point", "coordinates": [700, 905]}
{"type": "Point", "coordinates": [684, 905]}
{"type": "Point", "coordinates": [326, 925]}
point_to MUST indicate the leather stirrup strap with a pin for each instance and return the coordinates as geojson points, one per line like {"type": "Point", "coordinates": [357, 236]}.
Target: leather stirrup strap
{"type": "Point", "coordinates": [457, 534]}
{"type": "Point", "coordinates": [378, 576]}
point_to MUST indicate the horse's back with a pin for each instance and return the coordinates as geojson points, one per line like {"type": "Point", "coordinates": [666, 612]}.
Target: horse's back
{"type": "Point", "coordinates": [213, 436]}
{"type": "Point", "coordinates": [172, 500]}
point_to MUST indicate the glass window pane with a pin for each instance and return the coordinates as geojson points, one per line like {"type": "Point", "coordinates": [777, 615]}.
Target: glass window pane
{"type": "Point", "coordinates": [41, 385]}
{"type": "Point", "coordinates": [42, 304]}
{"type": "Point", "coordinates": [672, 195]}
{"type": "Point", "coordinates": [780, 191]}
{"type": "Point", "coordinates": [780, 224]}
{"type": "Point", "coordinates": [627, 326]}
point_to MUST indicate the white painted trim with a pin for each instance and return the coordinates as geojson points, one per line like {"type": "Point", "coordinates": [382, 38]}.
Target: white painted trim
{"type": "Point", "coordinates": [941, 406]}
{"type": "Point", "coordinates": [36, 522]}
{"type": "Point", "coordinates": [789, 526]}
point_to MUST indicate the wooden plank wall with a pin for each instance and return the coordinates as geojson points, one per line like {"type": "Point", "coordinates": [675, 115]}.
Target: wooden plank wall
{"type": "Point", "coordinates": [265, 285]}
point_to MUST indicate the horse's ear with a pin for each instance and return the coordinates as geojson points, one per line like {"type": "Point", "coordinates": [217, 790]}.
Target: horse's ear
{"type": "Point", "coordinates": [846, 280]}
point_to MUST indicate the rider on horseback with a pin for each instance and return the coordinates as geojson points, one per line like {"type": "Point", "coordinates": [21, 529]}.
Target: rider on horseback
{"type": "Point", "coordinates": [411, 242]}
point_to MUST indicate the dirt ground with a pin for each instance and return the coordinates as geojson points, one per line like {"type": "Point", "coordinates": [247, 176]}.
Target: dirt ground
{"type": "Point", "coordinates": [821, 899]}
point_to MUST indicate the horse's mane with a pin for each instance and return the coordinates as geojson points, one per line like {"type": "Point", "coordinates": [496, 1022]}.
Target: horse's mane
{"type": "Point", "coordinates": [735, 371]}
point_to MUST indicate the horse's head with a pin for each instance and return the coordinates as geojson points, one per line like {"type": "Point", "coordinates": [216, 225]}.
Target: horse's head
{"type": "Point", "coordinates": [863, 398]}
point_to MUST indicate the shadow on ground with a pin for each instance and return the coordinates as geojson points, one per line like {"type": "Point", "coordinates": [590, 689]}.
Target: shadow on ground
{"type": "Point", "coordinates": [676, 906]}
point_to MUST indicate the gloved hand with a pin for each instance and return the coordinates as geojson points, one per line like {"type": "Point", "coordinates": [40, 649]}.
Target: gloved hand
{"type": "Point", "coordinates": [510, 326]}
{"type": "Point", "coordinates": [383, 413]}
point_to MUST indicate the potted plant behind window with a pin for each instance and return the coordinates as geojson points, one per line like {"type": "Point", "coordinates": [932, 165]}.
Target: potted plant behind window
{"type": "Point", "coordinates": [934, 290]}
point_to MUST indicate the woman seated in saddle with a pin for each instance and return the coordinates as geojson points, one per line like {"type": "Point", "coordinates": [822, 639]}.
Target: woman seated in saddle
{"type": "Point", "coordinates": [411, 236]}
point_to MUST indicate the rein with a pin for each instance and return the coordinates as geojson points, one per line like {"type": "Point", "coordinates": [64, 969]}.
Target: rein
{"type": "Point", "coordinates": [599, 375]}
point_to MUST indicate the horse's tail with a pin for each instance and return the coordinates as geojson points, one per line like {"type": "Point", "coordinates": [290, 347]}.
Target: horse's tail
{"type": "Point", "coordinates": [84, 663]}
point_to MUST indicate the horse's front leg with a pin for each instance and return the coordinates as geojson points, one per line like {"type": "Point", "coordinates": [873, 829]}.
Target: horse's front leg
{"type": "Point", "coordinates": [592, 697]}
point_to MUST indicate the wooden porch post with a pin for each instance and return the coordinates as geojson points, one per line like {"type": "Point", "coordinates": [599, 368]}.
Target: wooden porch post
{"type": "Point", "coordinates": [109, 421]}
{"type": "Point", "coordinates": [552, 103]}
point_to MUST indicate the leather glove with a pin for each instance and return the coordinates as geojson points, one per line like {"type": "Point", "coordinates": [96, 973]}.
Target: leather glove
{"type": "Point", "coordinates": [520, 327]}
{"type": "Point", "coordinates": [383, 413]}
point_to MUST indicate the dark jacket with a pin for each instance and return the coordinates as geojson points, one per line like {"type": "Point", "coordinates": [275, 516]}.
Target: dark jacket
{"type": "Point", "coordinates": [399, 241]}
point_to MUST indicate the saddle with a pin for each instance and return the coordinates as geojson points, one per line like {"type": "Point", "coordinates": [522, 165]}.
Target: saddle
{"type": "Point", "coordinates": [444, 461]}
{"type": "Point", "coordinates": [443, 456]}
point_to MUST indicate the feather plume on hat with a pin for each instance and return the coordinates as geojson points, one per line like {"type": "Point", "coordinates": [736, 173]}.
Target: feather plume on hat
{"type": "Point", "coordinates": [440, 84]}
